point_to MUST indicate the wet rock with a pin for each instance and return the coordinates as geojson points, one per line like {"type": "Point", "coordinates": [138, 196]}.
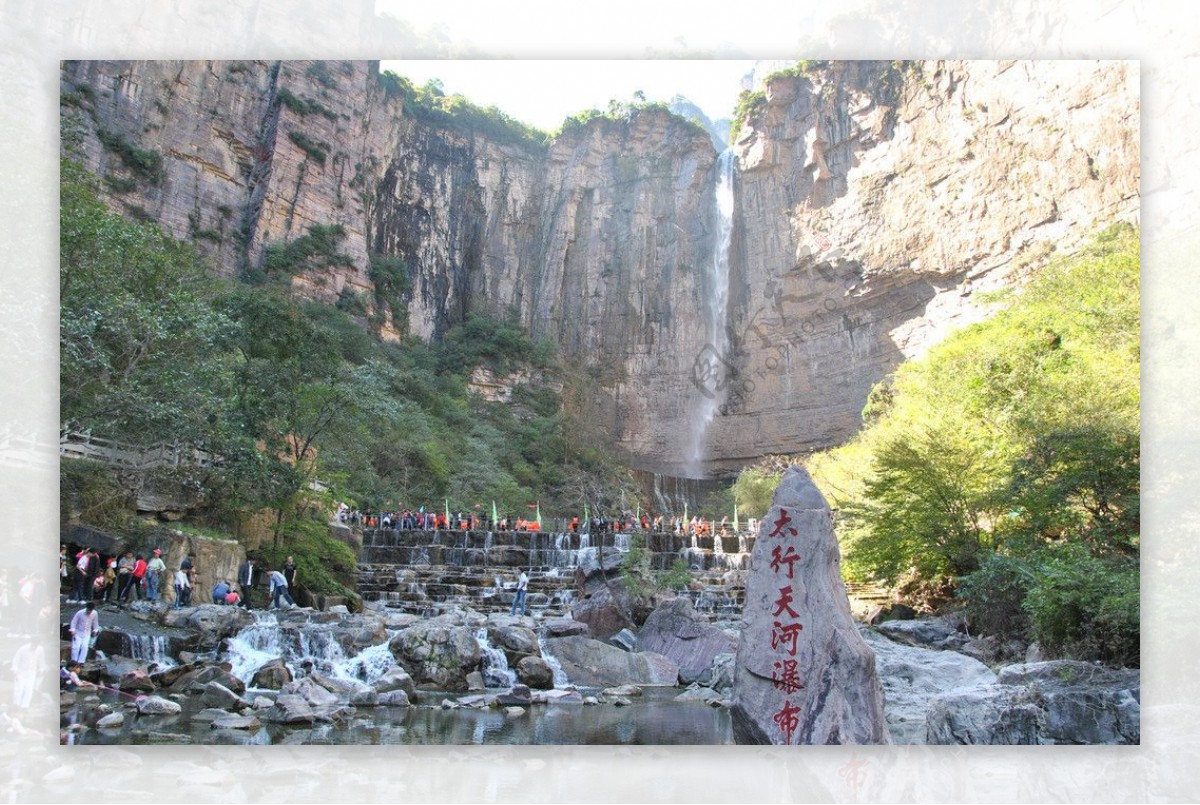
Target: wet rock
{"type": "Point", "coordinates": [137, 680]}
{"type": "Point", "coordinates": [157, 706]}
{"type": "Point", "coordinates": [697, 693]}
{"type": "Point", "coordinates": [262, 703]}
{"type": "Point", "coordinates": [217, 695]}
{"type": "Point", "coordinates": [535, 672]}
{"type": "Point", "coordinates": [475, 681]}
{"type": "Point", "coordinates": [557, 696]}
{"type": "Point", "coordinates": [516, 640]}
{"type": "Point", "coordinates": [346, 690]}
{"type": "Point", "coordinates": [272, 676]}
{"type": "Point", "coordinates": [396, 678]}
{"type": "Point", "coordinates": [623, 690]}
{"type": "Point", "coordinates": [590, 700]}
{"type": "Point", "coordinates": [677, 631]}
{"type": "Point", "coordinates": [476, 702]}
{"type": "Point", "coordinates": [393, 698]}
{"type": "Point", "coordinates": [564, 627]}
{"type": "Point", "coordinates": [434, 652]}
{"type": "Point", "coordinates": [210, 713]}
{"type": "Point", "coordinates": [514, 712]}
{"type": "Point", "coordinates": [519, 695]}
{"type": "Point", "coordinates": [153, 737]}
{"type": "Point", "coordinates": [803, 674]}
{"type": "Point", "coordinates": [367, 697]}
{"type": "Point", "coordinates": [938, 633]}
{"type": "Point", "coordinates": [169, 676]}
{"type": "Point", "coordinates": [984, 649]}
{"type": "Point", "coordinates": [605, 611]}
{"type": "Point", "coordinates": [90, 710]}
{"type": "Point", "coordinates": [232, 722]}
{"type": "Point", "coordinates": [624, 640]}
{"type": "Point", "coordinates": [595, 664]}
{"type": "Point", "coordinates": [111, 721]}
{"type": "Point", "coordinates": [213, 622]}
{"type": "Point", "coordinates": [311, 692]}
{"type": "Point", "coordinates": [449, 704]}
{"type": "Point", "coordinates": [194, 681]}
{"type": "Point", "coordinates": [912, 677]}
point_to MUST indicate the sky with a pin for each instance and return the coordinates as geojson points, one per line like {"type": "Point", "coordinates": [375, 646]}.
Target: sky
{"type": "Point", "coordinates": [544, 93]}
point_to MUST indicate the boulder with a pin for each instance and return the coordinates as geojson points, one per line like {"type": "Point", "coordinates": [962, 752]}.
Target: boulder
{"type": "Point", "coordinates": [604, 611]}
{"type": "Point", "coordinates": [518, 695]}
{"type": "Point", "coordinates": [111, 721]}
{"type": "Point", "coordinates": [624, 640]}
{"type": "Point", "coordinates": [677, 631]}
{"type": "Point", "coordinates": [696, 693]}
{"type": "Point", "coordinates": [196, 680]}
{"type": "Point", "coordinates": [396, 678]}
{"type": "Point", "coordinates": [346, 690]}
{"type": "Point", "coordinates": [623, 690]}
{"type": "Point", "coordinates": [939, 633]}
{"type": "Point", "coordinates": [272, 676]}
{"type": "Point", "coordinates": [912, 677]}
{"type": "Point", "coordinates": [137, 680]}
{"type": "Point", "coordinates": [619, 701]}
{"type": "Point", "coordinates": [475, 681]}
{"type": "Point", "coordinates": [803, 674]}
{"type": "Point", "coordinates": [157, 706]}
{"type": "Point", "coordinates": [558, 697]}
{"type": "Point", "coordinates": [262, 703]}
{"type": "Point", "coordinates": [437, 653]}
{"type": "Point", "coordinates": [217, 695]}
{"type": "Point", "coordinates": [393, 698]}
{"type": "Point", "coordinates": [209, 713]}
{"type": "Point", "coordinates": [514, 712]}
{"type": "Point", "coordinates": [564, 627]}
{"type": "Point", "coordinates": [214, 623]}
{"type": "Point", "coordinates": [310, 691]}
{"type": "Point", "coordinates": [595, 664]}
{"type": "Point", "coordinates": [596, 566]}
{"type": "Point", "coordinates": [535, 672]}
{"type": "Point", "coordinates": [720, 676]}
{"type": "Point", "coordinates": [234, 722]}
{"type": "Point", "coordinates": [516, 640]}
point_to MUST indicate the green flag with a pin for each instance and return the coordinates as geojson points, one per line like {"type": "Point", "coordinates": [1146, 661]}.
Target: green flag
{"type": "Point", "coordinates": [539, 515]}
{"type": "Point", "coordinates": [735, 517]}
{"type": "Point", "coordinates": [495, 518]}
{"type": "Point", "coordinates": [447, 512]}
{"type": "Point", "coordinates": [638, 516]}
{"type": "Point", "coordinates": [586, 520]}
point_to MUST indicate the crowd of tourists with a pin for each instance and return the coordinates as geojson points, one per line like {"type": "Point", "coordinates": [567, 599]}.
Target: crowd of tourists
{"type": "Point", "coordinates": [425, 519]}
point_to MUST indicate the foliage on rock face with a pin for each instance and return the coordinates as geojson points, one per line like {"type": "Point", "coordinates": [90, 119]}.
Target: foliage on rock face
{"type": "Point", "coordinates": [155, 349]}
{"type": "Point", "coordinates": [1009, 459]}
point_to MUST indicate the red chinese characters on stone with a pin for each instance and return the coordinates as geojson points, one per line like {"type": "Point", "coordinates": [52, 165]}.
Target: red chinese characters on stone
{"type": "Point", "coordinates": [784, 603]}
{"type": "Point", "coordinates": [779, 558]}
{"type": "Point", "coordinates": [788, 720]}
{"type": "Point", "coordinates": [785, 635]}
{"type": "Point", "coordinates": [786, 676]}
{"type": "Point", "coordinates": [781, 526]}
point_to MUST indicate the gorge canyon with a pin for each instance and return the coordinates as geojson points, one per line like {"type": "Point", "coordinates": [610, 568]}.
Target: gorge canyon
{"type": "Point", "coordinates": [869, 208]}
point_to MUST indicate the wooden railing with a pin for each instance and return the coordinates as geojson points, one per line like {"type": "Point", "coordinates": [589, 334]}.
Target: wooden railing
{"type": "Point", "coordinates": [83, 445]}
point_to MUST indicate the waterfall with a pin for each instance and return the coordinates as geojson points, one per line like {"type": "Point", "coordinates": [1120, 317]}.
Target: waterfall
{"type": "Point", "coordinates": [150, 648]}
{"type": "Point", "coordinates": [711, 364]}
{"type": "Point", "coordinates": [494, 663]}
{"type": "Point", "coordinates": [265, 640]}
{"type": "Point", "coordinates": [560, 676]}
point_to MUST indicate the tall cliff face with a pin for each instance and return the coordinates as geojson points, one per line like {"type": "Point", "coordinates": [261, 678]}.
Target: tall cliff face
{"type": "Point", "coordinates": [873, 201]}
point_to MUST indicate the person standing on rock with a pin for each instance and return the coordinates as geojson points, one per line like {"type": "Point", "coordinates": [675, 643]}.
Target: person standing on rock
{"type": "Point", "coordinates": [522, 587]}
{"type": "Point", "coordinates": [183, 589]}
{"type": "Point", "coordinates": [84, 626]}
{"type": "Point", "coordinates": [155, 570]}
{"type": "Point", "coordinates": [247, 576]}
{"type": "Point", "coordinates": [279, 589]}
{"type": "Point", "coordinates": [289, 573]}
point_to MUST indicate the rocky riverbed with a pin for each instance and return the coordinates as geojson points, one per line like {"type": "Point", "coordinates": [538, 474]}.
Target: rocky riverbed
{"type": "Point", "coordinates": [213, 674]}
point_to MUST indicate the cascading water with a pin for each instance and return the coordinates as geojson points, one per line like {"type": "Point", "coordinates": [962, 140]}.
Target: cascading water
{"type": "Point", "coordinates": [494, 663]}
{"type": "Point", "coordinates": [264, 641]}
{"type": "Point", "coordinates": [709, 366]}
{"type": "Point", "coordinates": [559, 675]}
{"type": "Point", "coordinates": [151, 649]}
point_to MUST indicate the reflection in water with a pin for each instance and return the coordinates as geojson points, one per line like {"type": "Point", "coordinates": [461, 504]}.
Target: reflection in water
{"type": "Point", "coordinates": [653, 719]}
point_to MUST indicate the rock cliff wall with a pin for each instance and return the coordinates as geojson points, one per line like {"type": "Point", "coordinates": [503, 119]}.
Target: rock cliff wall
{"type": "Point", "coordinates": [873, 201]}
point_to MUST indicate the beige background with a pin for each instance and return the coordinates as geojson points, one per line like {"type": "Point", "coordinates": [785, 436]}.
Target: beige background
{"type": "Point", "coordinates": [35, 769]}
